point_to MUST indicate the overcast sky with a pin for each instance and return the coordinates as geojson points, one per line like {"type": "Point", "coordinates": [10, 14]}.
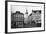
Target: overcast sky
{"type": "Point", "coordinates": [22, 9]}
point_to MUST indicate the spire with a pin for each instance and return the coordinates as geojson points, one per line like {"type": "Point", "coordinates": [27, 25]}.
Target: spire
{"type": "Point", "coordinates": [26, 11]}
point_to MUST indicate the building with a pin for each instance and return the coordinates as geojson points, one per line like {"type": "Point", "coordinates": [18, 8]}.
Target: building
{"type": "Point", "coordinates": [35, 18]}
{"type": "Point", "coordinates": [30, 18]}
{"type": "Point", "coordinates": [36, 15]}
{"type": "Point", "coordinates": [26, 17]}
{"type": "Point", "coordinates": [18, 19]}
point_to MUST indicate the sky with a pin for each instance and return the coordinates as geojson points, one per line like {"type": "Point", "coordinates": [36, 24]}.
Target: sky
{"type": "Point", "coordinates": [22, 9]}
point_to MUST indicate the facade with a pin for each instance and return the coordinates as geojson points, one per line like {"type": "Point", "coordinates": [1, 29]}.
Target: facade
{"type": "Point", "coordinates": [30, 18]}
{"type": "Point", "coordinates": [18, 19]}
{"type": "Point", "coordinates": [26, 17]}
{"type": "Point", "coordinates": [35, 18]}
{"type": "Point", "coordinates": [36, 15]}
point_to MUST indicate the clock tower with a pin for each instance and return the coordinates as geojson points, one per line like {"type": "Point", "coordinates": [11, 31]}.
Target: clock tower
{"type": "Point", "coordinates": [26, 17]}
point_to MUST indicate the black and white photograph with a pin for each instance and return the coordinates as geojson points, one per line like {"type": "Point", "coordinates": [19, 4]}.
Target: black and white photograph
{"type": "Point", "coordinates": [25, 16]}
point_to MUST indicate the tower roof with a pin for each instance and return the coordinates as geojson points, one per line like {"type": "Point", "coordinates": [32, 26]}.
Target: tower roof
{"type": "Point", "coordinates": [26, 11]}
